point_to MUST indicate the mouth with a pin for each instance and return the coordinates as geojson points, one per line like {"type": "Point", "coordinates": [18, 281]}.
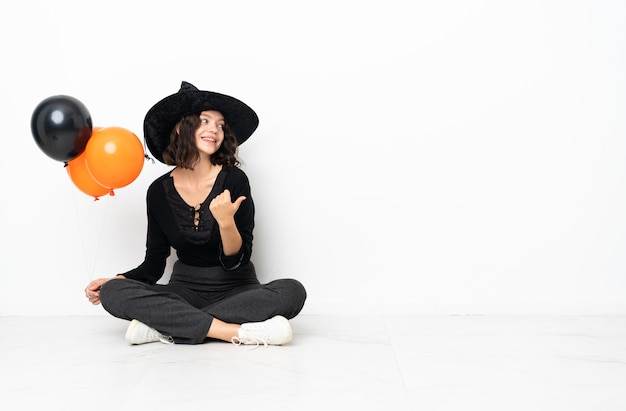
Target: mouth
{"type": "Point", "coordinates": [209, 139]}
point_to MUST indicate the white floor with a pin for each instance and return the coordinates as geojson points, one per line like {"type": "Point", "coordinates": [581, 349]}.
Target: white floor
{"type": "Point", "coordinates": [475, 363]}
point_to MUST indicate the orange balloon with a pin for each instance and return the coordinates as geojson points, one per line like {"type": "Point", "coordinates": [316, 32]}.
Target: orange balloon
{"type": "Point", "coordinates": [114, 157]}
{"type": "Point", "coordinates": [77, 170]}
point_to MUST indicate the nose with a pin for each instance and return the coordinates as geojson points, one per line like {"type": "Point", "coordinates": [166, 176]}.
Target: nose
{"type": "Point", "coordinates": [211, 126]}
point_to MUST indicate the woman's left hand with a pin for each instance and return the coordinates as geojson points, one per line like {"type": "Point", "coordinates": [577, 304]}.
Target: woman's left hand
{"type": "Point", "coordinates": [224, 209]}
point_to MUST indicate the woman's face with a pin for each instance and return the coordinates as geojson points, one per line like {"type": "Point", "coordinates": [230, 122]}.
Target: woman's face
{"type": "Point", "coordinates": [210, 132]}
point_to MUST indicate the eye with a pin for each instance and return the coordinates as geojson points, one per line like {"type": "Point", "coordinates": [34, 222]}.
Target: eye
{"type": "Point", "coordinates": [203, 121]}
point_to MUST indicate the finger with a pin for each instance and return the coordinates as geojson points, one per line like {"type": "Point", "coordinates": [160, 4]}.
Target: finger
{"type": "Point", "coordinates": [92, 294]}
{"type": "Point", "coordinates": [94, 285]}
{"type": "Point", "coordinates": [238, 201]}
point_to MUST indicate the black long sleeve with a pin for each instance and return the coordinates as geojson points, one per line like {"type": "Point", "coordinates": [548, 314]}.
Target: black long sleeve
{"type": "Point", "coordinates": [170, 225]}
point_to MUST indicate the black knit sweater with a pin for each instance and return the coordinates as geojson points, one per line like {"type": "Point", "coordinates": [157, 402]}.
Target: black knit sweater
{"type": "Point", "coordinates": [171, 225]}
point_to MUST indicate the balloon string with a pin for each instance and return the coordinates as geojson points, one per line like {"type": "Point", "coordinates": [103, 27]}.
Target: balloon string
{"type": "Point", "coordinates": [95, 258]}
{"type": "Point", "coordinates": [90, 270]}
{"type": "Point", "coordinates": [82, 236]}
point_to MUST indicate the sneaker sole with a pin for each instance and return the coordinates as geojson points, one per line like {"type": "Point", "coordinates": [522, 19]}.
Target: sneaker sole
{"type": "Point", "coordinates": [129, 331]}
{"type": "Point", "coordinates": [289, 336]}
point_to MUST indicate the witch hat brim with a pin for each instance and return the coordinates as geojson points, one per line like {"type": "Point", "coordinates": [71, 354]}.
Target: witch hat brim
{"type": "Point", "coordinates": [163, 116]}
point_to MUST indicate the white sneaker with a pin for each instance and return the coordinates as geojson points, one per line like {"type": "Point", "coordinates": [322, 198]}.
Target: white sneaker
{"type": "Point", "coordinates": [139, 333]}
{"type": "Point", "coordinates": [275, 331]}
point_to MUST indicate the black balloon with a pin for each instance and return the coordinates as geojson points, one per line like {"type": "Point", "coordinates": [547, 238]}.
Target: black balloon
{"type": "Point", "coordinates": [61, 126]}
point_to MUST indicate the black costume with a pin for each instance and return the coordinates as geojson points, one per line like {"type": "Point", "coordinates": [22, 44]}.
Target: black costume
{"type": "Point", "coordinates": [205, 283]}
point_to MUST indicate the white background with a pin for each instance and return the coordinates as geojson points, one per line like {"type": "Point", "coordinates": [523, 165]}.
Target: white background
{"type": "Point", "coordinates": [461, 157]}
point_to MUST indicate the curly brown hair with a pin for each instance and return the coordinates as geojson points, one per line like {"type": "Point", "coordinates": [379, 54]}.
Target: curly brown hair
{"type": "Point", "coordinates": [182, 150]}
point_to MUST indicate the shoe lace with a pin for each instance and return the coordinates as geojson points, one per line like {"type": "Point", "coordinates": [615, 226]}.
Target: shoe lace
{"type": "Point", "coordinates": [166, 339]}
{"type": "Point", "coordinates": [256, 341]}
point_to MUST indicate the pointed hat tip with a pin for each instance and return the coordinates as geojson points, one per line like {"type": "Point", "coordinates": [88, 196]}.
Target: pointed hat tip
{"type": "Point", "coordinates": [185, 86]}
